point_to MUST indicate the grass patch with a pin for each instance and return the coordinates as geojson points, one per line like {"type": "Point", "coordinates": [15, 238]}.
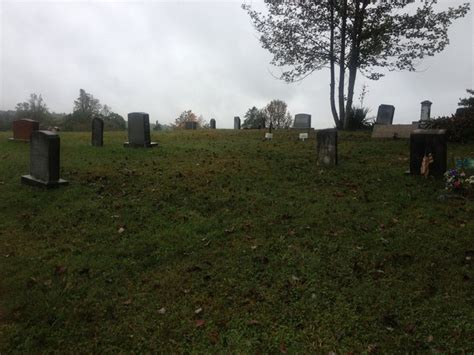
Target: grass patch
{"type": "Point", "coordinates": [281, 255]}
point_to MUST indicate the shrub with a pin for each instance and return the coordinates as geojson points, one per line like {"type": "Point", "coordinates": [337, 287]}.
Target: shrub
{"type": "Point", "coordinates": [358, 119]}
{"type": "Point", "coordinates": [460, 128]}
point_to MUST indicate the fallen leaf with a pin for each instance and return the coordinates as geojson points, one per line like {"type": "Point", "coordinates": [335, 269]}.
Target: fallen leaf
{"type": "Point", "coordinates": [127, 302]}
{"type": "Point", "coordinates": [121, 230]}
{"type": "Point", "coordinates": [283, 349]}
{"type": "Point", "coordinates": [162, 310]}
{"type": "Point", "coordinates": [200, 322]}
{"type": "Point", "coordinates": [60, 269]}
{"type": "Point", "coordinates": [198, 310]}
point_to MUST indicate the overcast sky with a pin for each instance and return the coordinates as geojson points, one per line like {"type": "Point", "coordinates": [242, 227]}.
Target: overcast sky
{"type": "Point", "coordinates": [167, 57]}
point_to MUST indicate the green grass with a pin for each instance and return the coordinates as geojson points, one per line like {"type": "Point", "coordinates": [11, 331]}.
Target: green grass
{"type": "Point", "coordinates": [280, 254]}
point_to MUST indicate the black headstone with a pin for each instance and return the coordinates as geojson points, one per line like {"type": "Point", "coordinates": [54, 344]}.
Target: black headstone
{"type": "Point", "coordinates": [44, 160]}
{"type": "Point", "coordinates": [97, 139]}
{"type": "Point", "coordinates": [212, 123]}
{"type": "Point", "coordinates": [385, 114]}
{"type": "Point", "coordinates": [139, 130]}
{"type": "Point", "coordinates": [326, 146]}
{"type": "Point", "coordinates": [190, 125]}
{"type": "Point", "coordinates": [428, 141]}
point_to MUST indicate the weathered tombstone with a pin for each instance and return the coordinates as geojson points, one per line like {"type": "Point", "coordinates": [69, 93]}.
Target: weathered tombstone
{"type": "Point", "coordinates": [326, 146]}
{"type": "Point", "coordinates": [44, 160]}
{"type": "Point", "coordinates": [425, 110]}
{"type": "Point", "coordinates": [268, 136]}
{"type": "Point", "coordinates": [236, 122]}
{"type": "Point", "coordinates": [212, 123]}
{"type": "Point", "coordinates": [190, 125]}
{"type": "Point", "coordinates": [303, 136]}
{"type": "Point", "coordinates": [139, 131]}
{"type": "Point", "coordinates": [428, 141]}
{"type": "Point", "coordinates": [97, 139]}
{"type": "Point", "coordinates": [22, 129]}
{"type": "Point", "coordinates": [302, 121]}
{"type": "Point", "coordinates": [385, 114]}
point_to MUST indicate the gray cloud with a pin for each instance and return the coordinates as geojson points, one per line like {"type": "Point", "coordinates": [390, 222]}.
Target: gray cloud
{"type": "Point", "coordinates": [166, 57]}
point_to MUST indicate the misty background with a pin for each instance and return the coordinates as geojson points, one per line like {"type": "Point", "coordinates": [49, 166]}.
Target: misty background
{"type": "Point", "coordinates": [166, 57]}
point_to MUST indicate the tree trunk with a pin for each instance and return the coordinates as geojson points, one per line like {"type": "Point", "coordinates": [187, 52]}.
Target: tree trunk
{"type": "Point", "coordinates": [333, 79]}
{"type": "Point", "coordinates": [342, 61]}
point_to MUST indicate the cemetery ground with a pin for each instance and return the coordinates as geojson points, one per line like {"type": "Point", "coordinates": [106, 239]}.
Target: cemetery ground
{"type": "Point", "coordinates": [217, 241]}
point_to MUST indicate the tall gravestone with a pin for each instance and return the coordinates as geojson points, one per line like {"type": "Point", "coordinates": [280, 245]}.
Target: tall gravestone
{"type": "Point", "coordinates": [97, 138]}
{"type": "Point", "coordinates": [236, 122]}
{"type": "Point", "coordinates": [190, 125]}
{"type": "Point", "coordinates": [425, 114]}
{"type": "Point", "coordinates": [212, 123]}
{"type": "Point", "coordinates": [22, 129]}
{"type": "Point", "coordinates": [302, 121]}
{"type": "Point", "coordinates": [139, 131]}
{"type": "Point", "coordinates": [428, 141]}
{"type": "Point", "coordinates": [326, 146]}
{"type": "Point", "coordinates": [44, 160]}
{"type": "Point", "coordinates": [385, 114]}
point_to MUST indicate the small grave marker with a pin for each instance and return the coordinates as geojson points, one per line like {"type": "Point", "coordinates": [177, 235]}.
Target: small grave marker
{"type": "Point", "coordinates": [385, 114]}
{"type": "Point", "coordinates": [236, 122]}
{"type": "Point", "coordinates": [139, 131]}
{"type": "Point", "coordinates": [22, 129]}
{"type": "Point", "coordinates": [97, 139]}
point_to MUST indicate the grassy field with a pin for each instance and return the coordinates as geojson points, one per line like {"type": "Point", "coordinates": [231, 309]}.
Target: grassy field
{"type": "Point", "coordinates": [217, 241]}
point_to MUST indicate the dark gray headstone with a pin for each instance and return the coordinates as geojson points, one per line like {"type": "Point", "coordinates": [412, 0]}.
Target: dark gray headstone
{"type": "Point", "coordinates": [97, 139]}
{"type": "Point", "coordinates": [326, 146]}
{"type": "Point", "coordinates": [236, 122]}
{"type": "Point", "coordinates": [385, 114]}
{"type": "Point", "coordinates": [302, 121]}
{"type": "Point", "coordinates": [44, 160]}
{"type": "Point", "coordinates": [139, 130]}
{"type": "Point", "coordinates": [425, 110]}
{"type": "Point", "coordinates": [190, 125]}
{"type": "Point", "coordinates": [212, 123]}
{"type": "Point", "coordinates": [428, 141]}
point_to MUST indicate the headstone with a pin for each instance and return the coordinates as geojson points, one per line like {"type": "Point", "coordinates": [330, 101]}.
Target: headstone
{"type": "Point", "coordinates": [44, 160]}
{"type": "Point", "coordinates": [303, 136]}
{"type": "Point", "coordinates": [302, 121]}
{"type": "Point", "coordinates": [190, 125]}
{"type": "Point", "coordinates": [385, 114]}
{"type": "Point", "coordinates": [139, 130]}
{"type": "Point", "coordinates": [22, 129]}
{"type": "Point", "coordinates": [212, 123]}
{"type": "Point", "coordinates": [97, 139]}
{"type": "Point", "coordinates": [428, 141]}
{"type": "Point", "coordinates": [236, 122]}
{"type": "Point", "coordinates": [425, 110]}
{"type": "Point", "coordinates": [326, 146]}
{"type": "Point", "coordinates": [268, 136]}
{"type": "Point", "coordinates": [393, 131]}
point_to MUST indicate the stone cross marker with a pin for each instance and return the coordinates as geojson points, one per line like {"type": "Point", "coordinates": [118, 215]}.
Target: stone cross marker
{"type": "Point", "coordinates": [44, 160]}
{"type": "Point", "coordinates": [212, 123]}
{"type": "Point", "coordinates": [139, 131]}
{"type": "Point", "coordinates": [428, 141]}
{"type": "Point", "coordinates": [326, 146]}
{"type": "Point", "coordinates": [236, 122]}
{"type": "Point", "coordinates": [302, 121]}
{"type": "Point", "coordinates": [97, 139]}
{"type": "Point", "coordinates": [385, 114]}
{"type": "Point", "coordinates": [190, 125]}
{"type": "Point", "coordinates": [425, 110]}
{"type": "Point", "coordinates": [22, 129]}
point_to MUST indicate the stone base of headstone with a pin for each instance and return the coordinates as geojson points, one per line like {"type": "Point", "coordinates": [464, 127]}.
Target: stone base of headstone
{"type": "Point", "coordinates": [326, 146]}
{"type": "Point", "coordinates": [32, 181]}
{"type": "Point", "coordinates": [428, 141]}
{"type": "Point", "coordinates": [149, 145]}
{"type": "Point", "coordinates": [303, 136]}
{"type": "Point", "coordinates": [268, 136]}
{"type": "Point", "coordinates": [393, 131]}
{"type": "Point", "coordinates": [18, 140]}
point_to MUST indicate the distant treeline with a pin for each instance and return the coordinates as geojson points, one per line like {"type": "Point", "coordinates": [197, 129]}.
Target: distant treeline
{"type": "Point", "coordinates": [85, 108]}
